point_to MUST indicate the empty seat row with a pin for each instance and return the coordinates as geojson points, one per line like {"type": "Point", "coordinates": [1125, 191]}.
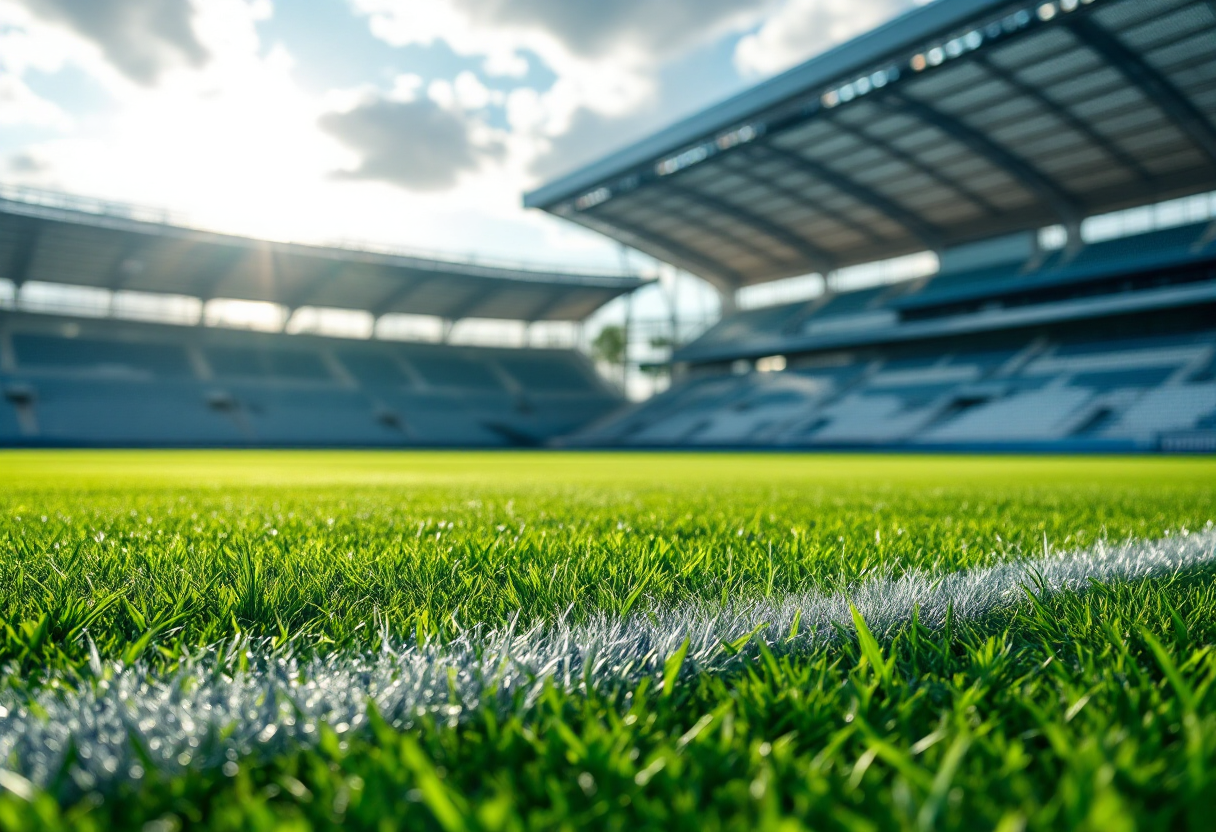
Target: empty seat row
{"type": "Point", "coordinates": [369, 365]}
{"type": "Point", "coordinates": [913, 398]}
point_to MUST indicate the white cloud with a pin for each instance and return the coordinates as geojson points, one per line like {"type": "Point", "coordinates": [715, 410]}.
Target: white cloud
{"type": "Point", "coordinates": [422, 145]}
{"type": "Point", "coordinates": [21, 105]}
{"type": "Point", "coordinates": [233, 140]}
{"type": "Point", "coordinates": [604, 55]}
{"type": "Point", "coordinates": [141, 38]}
{"type": "Point", "coordinates": [804, 28]}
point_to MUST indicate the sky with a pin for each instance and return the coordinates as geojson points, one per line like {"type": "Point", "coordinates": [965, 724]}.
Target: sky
{"type": "Point", "coordinates": [416, 123]}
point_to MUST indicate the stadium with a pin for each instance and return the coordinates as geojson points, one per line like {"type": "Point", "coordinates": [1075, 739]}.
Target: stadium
{"type": "Point", "coordinates": [965, 130]}
{"type": "Point", "coordinates": [917, 533]}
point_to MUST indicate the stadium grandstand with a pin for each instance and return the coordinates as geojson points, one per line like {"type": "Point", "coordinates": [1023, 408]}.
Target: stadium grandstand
{"type": "Point", "coordinates": [999, 137]}
{"type": "Point", "coordinates": [112, 332]}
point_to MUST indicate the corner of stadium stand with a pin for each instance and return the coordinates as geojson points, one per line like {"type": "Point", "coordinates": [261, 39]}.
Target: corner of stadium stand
{"type": "Point", "coordinates": [964, 128]}
{"type": "Point", "coordinates": [96, 380]}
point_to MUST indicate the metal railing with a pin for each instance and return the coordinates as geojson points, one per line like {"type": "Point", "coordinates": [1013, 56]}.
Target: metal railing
{"type": "Point", "coordinates": [59, 200]}
{"type": "Point", "coordinates": [90, 205]}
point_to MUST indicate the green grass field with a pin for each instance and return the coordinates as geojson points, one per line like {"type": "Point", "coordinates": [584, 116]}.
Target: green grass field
{"type": "Point", "coordinates": [145, 582]}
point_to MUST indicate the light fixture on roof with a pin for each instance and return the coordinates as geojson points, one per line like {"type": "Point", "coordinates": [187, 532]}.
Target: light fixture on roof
{"type": "Point", "coordinates": [592, 199]}
{"type": "Point", "coordinates": [919, 62]}
{"type": "Point", "coordinates": [1069, 5]}
{"type": "Point", "coordinates": [742, 135]}
{"type": "Point", "coordinates": [935, 56]}
{"type": "Point", "coordinates": [1047, 11]}
{"type": "Point", "coordinates": [770, 364]}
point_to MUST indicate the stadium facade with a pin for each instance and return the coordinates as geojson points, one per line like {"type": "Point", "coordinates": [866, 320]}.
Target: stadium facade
{"type": "Point", "coordinates": [82, 377]}
{"type": "Point", "coordinates": [965, 128]}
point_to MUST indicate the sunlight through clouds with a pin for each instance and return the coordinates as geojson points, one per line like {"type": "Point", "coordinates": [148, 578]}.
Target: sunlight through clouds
{"type": "Point", "coordinates": [201, 106]}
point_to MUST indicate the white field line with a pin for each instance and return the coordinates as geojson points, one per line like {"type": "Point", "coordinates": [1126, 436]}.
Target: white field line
{"type": "Point", "coordinates": [208, 711]}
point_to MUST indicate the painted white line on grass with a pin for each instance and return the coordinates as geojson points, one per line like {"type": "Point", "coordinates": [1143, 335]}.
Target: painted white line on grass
{"type": "Point", "coordinates": [210, 712]}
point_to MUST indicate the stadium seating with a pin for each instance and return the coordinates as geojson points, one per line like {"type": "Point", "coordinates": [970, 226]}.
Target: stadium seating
{"type": "Point", "coordinates": [1075, 385]}
{"type": "Point", "coordinates": [109, 357]}
{"type": "Point", "coordinates": [128, 384]}
{"type": "Point", "coordinates": [266, 362]}
{"type": "Point", "coordinates": [1149, 253]}
{"type": "Point", "coordinates": [455, 371]}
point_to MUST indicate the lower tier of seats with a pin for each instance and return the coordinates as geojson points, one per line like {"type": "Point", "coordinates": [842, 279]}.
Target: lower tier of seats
{"type": "Point", "coordinates": [1089, 388]}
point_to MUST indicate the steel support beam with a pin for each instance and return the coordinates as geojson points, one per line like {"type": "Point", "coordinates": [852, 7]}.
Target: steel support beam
{"type": "Point", "coordinates": [723, 278]}
{"type": "Point", "coordinates": [929, 236]}
{"type": "Point", "coordinates": [745, 171]}
{"type": "Point", "coordinates": [1061, 203]}
{"type": "Point", "coordinates": [399, 294]}
{"type": "Point", "coordinates": [1155, 86]}
{"type": "Point", "coordinates": [545, 307]}
{"type": "Point", "coordinates": [912, 162]}
{"type": "Point", "coordinates": [223, 262]}
{"type": "Point", "coordinates": [120, 271]}
{"type": "Point", "coordinates": [1071, 119]}
{"type": "Point", "coordinates": [819, 260]}
{"type": "Point", "coordinates": [461, 310]}
{"type": "Point", "coordinates": [730, 237]}
{"type": "Point", "coordinates": [324, 275]}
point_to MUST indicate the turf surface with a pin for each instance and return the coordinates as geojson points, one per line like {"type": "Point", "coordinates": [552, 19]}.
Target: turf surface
{"type": "Point", "coordinates": [1078, 709]}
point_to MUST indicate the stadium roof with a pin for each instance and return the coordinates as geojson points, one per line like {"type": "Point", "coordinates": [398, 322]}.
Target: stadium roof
{"type": "Point", "coordinates": [63, 239]}
{"type": "Point", "coordinates": [959, 121]}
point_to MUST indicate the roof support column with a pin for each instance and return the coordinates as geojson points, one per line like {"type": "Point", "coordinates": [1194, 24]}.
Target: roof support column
{"type": "Point", "coordinates": [22, 261]}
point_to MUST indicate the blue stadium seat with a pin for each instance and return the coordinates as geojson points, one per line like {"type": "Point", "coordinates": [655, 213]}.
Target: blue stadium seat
{"type": "Point", "coordinates": [1118, 252]}
{"type": "Point", "coordinates": [245, 362]}
{"type": "Point", "coordinates": [1113, 380]}
{"type": "Point", "coordinates": [10, 428]}
{"type": "Point", "coordinates": [129, 412]}
{"type": "Point", "coordinates": [547, 374]}
{"type": "Point", "coordinates": [312, 416]}
{"type": "Point", "coordinates": [750, 324]}
{"type": "Point", "coordinates": [1088, 346]}
{"type": "Point", "coordinates": [373, 369]}
{"type": "Point", "coordinates": [94, 355]}
{"type": "Point", "coordinates": [851, 303]}
{"type": "Point", "coordinates": [454, 371]}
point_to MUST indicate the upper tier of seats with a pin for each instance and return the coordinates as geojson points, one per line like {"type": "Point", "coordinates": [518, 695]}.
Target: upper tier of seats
{"type": "Point", "coordinates": [1172, 256]}
{"type": "Point", "coordinates": [1155, 250]}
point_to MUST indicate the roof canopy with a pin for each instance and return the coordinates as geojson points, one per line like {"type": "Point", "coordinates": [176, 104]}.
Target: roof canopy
{"type": "Point", "coordinates": [961, 120]}
{"type": "Point", "coordinates": [117, 248]}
